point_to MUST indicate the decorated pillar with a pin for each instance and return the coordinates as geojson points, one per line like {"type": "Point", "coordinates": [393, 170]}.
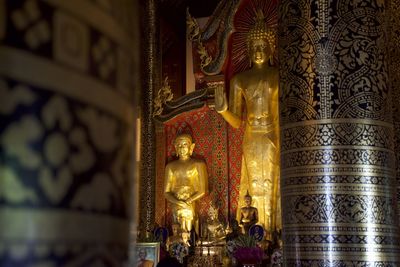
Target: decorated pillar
{"type": "Point", "coordinates": [151, 82]}
{"type": "Point", "coordinates": [393, 23]}
{"type": "Point", "coordinates": [338, 163]}
{"type": "Point", "coordinates": [66, 128]}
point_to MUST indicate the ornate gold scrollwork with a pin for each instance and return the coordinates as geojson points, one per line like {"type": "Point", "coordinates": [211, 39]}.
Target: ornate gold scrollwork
{"type": "Point", "coordinates": [193, 30]}
{"type": "Point", "coordinates": [193, 27]}
{"type": "Point", "coordinates": [204, 56]}
{"type": "Point", "coordinates": [164, 95]}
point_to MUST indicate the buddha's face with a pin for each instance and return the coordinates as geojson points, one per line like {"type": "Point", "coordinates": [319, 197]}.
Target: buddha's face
{"type": "Point", "coordinates": [212, 215]}
{"type": "Point", "coordinates": [259, 51]}
{"type": "Point", "coordinates": [183, 147]}
{"type": "Point", "coordinates": [175, 229]}
{"type": "Point", "coordinates": [185, 237]}
{"type": "Point", "coordinates": [247, 201]}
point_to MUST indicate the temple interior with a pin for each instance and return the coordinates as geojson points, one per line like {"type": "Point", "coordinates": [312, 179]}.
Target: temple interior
{"type": "Point", "coordinates": [148, 133]}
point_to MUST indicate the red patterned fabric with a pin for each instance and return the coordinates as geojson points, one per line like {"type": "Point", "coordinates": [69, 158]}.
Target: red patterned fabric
{"type": "Point", "coordinates": [235, 138]}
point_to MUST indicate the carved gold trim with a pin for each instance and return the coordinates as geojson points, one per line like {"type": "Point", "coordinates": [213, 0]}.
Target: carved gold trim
{"type": "Point", "coordinates": [164, 95]}
{"type": "Point", "coordinates": [194, 34]}
{"type": "Point", "coordinates": [193, 28]}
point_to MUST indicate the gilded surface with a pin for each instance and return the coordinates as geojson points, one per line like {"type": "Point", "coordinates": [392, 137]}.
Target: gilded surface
{"type": "Point", "coordinates": [209, 132]}
{"type": "Point", "coordinates": [186, 181]}
{"type": "Point", "coordinates": [243, 21]}
{"type": "Point", "coordinates": [257, 89]}
{"type": "Point", "coordinates": [339, 205]}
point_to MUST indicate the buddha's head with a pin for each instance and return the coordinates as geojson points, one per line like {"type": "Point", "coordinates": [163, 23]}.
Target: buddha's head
{"type": "Point", "coordinates": [213, 213]}
{"type": "Point", "coordinates": [184, 146]}
{"type": "Point", "coordinates": [247, 199]}
{"type": "Point", "coordinates": [261, 41]}
{"type": "Point", "coordinates": [175, 229]}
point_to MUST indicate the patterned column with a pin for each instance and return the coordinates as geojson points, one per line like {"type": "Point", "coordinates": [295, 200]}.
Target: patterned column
{"type": "Point", "coordinates": [393, 22]}
{"type": "Point", "coordinates": [66, 120]}
{"type": "Point", "coordinates": [338, 164]}
{"type": "Point", "coordinates": [151, 82]}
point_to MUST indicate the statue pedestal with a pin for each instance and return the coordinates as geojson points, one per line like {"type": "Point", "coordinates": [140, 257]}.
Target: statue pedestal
{"type": "Point", "coordinates": [207, 256]}
{"type": "Point", "coordinates": [249, 264]}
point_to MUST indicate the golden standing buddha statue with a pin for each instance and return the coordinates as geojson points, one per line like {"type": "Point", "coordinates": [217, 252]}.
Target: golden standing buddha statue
{"type": "Point", "coordinates": [186, 181]}
{"type": "Point", "coordinates": [258, 87]}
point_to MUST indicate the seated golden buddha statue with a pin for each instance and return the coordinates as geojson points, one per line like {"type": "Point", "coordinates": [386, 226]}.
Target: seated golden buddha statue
{"type": "Point", "coordinates": [257, 88]}
{"type": "Point", "coordinates": [248, 215]}
{"type": "Point", "coordinates": [186, 181]}
{"type": "Point", "coordinates": [214, 230]}
{"type": "Point", "coordinates": [176, 236]}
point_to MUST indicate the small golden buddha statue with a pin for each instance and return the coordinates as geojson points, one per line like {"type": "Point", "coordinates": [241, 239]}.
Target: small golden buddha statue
{"type": "Point", "coordinates": [186, 181]}
{"type": "Point", "coordinates": [248, 214]}
{"type": "Point", "coordinates": [176, 236]}
{"type": "Point", "coordinates": [257, 88]}
{"type": "Point", "coordinates": [186, 238]}
{"type": "Point", "coordinates": [214, 229]}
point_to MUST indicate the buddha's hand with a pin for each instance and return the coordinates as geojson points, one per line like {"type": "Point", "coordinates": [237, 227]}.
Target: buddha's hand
{"type": "Point", "coordinates": [221, 104]}
{"type": "Point", "coordinates": [183, 205]}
